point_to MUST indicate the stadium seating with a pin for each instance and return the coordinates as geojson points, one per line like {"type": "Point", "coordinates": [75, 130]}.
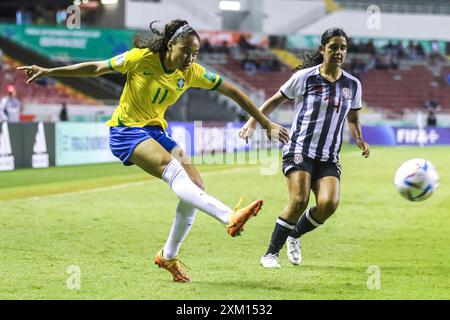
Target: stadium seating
{"type": "Point", "coordinates": [257, 80]}
{"type": "Point", "coordinates": [390, 91]}
{"type": "Point", "coordinates": [397, 91]}
{"type": "Point", "coordinates": [202, 105]}
{"type": "Point", "coordinates": [269, 81]}
{"type": "Point", "coordinates": [43, 92]}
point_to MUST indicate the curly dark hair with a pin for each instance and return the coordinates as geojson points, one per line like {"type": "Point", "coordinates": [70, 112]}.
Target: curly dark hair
{"type": "Point", "coordinates": [157, 41]}
{"type": "Point", "coordinates": [313, 59]}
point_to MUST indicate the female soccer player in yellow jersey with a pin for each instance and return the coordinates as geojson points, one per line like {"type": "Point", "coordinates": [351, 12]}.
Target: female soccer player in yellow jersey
{"type": "Point", "coordinates": [159, 70]}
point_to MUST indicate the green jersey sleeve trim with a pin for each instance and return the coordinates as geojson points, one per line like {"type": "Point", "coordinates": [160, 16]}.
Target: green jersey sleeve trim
{"type": "Point", "coordinates": [110, 67]}
{"type": "Point", "coordinates": [119, 122]}
{"type": "Point", "coordinates": [217, 84]}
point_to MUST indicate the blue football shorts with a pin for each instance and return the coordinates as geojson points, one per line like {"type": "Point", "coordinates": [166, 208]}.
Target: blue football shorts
{"type": "Point", "coordinates": [123, 140]}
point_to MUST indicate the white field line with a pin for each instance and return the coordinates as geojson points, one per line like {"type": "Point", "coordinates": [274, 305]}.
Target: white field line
{"type": "Point", "coordinates": [124, 185]}
{"type": "Point", "coordinates": [141, 183]}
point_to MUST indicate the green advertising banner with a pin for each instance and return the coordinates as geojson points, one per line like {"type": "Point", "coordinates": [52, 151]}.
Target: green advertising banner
{"type": "Point", "coordinates": [63, 44]}
{"type": "Point", "coordinates": [82, 143]}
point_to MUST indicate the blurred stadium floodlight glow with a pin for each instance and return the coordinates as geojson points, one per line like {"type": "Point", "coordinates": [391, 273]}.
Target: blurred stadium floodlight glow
{"type": "Point", "coordinates": [230, 5]}
{"type": "Point", "coordinates": [76, 2]}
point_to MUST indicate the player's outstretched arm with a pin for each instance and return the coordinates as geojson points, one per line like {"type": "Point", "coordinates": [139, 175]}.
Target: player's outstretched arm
{"type": "Point", "coordinates": [354, 127]}
{"type": "Point", "coordinates": [84, 69]}
{"type": "Point", "coordinates": [267, 108]}
{"type": "Point", "coordinates": [273, 130]}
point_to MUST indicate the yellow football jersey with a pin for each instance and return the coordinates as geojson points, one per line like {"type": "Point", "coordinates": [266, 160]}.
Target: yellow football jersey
{"type": "Point", "coordinates": [149, 90]}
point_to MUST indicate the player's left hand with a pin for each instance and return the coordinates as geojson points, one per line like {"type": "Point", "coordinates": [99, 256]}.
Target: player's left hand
{"type": "Point", "coordinates": [277, 132]}
{"type": "Point", "coordinates": [33, 72]}
{"type": "Point", "coordinates": [364, 146]}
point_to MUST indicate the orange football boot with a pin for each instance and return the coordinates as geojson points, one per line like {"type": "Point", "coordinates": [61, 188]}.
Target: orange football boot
{"type": "Point", "coordinates": [241, 216]}
{"type": "Point", "coordinates": [174, 266]}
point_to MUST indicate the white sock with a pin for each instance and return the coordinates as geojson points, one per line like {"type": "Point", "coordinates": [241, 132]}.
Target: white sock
{"type": "Point", "coordinates": [177, 178]}
{"type": "Point", "coordinates": [184, 218]}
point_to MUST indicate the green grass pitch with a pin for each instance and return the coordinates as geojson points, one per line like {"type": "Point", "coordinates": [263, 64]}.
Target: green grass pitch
{"type": "Point", "coordinates": [109, 220]}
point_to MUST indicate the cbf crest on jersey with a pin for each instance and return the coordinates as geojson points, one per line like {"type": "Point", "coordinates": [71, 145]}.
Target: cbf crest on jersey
{"type": "Point", "coordinates": [346, 93]}
{"type": "Point", "coordinates": [180, 83]}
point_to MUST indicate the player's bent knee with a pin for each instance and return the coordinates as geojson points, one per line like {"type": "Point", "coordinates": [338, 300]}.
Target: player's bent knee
{"type": "Point", "coordinates": [299, 204]}
{"type": "Point", "coordinates": [328, 207]}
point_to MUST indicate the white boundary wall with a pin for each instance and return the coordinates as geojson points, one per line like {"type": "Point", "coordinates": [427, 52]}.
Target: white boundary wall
{"type": "Point", "coordinates": [279, 16]}
{"type": "Point", "coordinates": [287, 16]}
{"type": "Point", "coordinates": [140, 14]}
{"type": "Point", "coordinates": [391, 25]}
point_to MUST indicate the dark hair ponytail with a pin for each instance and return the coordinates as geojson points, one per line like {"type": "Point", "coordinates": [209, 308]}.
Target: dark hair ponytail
{"type": "Point", "coordinates": [309, 60]}
{"type": "Point", "coordinates": [158, 41]}
{"type": "Point", "coordinates": [313, 59]}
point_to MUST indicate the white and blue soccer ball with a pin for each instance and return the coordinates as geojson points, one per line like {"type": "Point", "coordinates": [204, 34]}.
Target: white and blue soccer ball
{"type": "Point", "coordinates": [416, 179]}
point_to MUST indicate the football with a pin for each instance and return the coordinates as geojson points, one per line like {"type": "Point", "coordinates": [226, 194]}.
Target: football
{"type": "Point", "coordinates": [416, 179]}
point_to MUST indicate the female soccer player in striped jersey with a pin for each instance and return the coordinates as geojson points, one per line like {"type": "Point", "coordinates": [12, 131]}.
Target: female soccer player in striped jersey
{"type": "Point", "coordinates": [324, 96]}
{"type": "Point", "coordinates": [159, 70]}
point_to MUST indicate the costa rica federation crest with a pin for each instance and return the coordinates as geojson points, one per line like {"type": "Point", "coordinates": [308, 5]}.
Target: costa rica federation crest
{"type": "Point", "coordinates": [346, 93]}
{"type": "Point", "coordinates": [298, 158]}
